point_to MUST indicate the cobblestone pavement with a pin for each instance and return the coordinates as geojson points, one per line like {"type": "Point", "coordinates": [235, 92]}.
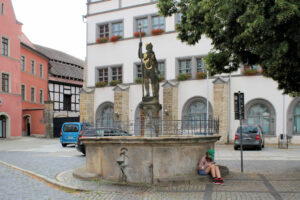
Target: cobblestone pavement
{"type": "Point", "coordinates": [269, 174]}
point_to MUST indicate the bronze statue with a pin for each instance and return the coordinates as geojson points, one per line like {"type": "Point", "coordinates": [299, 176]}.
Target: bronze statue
{"type": "Point", "coordinates": [150, 71]}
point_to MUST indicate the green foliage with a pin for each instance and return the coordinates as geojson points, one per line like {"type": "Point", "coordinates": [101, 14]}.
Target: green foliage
{"type": "Point", "coordinates": [265, 32]}
{"type": "Point", "coordinates": [183, 77]}
{"type": "Point", "coordinates": [138, 80]}
{"type": "Point", "coordinates": [101, 84]}
{"type": "Point", "coordinates": [114, 82]}
{"type": "Point", "coordinates": [201, 75]}
{"type": "Point", "coordinates": [250, 72]}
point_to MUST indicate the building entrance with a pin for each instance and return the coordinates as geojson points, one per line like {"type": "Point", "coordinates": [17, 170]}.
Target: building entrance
{"type": "Point", "coordinates": [2, 126]}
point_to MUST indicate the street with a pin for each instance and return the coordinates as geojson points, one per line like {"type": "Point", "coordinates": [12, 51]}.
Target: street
{"type": "Point", "coordinates": [268, 174]}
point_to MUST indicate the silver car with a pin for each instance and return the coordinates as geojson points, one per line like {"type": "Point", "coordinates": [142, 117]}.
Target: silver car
{"type": "Point", "coordinates": [252, 137]}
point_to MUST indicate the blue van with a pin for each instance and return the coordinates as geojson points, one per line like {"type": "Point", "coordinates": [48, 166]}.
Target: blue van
{"type": "Point", "coordinates": [69, 132]}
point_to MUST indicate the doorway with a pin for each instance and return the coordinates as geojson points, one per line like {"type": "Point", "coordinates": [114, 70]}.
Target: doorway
{"type": "Point", "coordinates": [27, 124]}
{"type": "Point", "coordinates": [3, 127]}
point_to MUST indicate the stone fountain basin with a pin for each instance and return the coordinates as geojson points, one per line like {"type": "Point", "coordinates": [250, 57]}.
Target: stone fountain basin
{"type": "Point", "coordinates": [150, 160]}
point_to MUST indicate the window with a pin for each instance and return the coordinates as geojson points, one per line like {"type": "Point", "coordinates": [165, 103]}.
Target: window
{"type": "Point", "coordinates": [158, 22]}
{"type": "Point", "coordinates": [41, 96]}
{"type": "Point", "coordinates": [297, 119]}
{"type": "Point", "coordinates": [144, 24]}
{"type": "Point", "coordinates": [5, 83]}
{"type": "Point", "coordinates": [185, 66]}
{"type": "Point", "coordinates": [117, 29]}
{"type": "Point", "coordinates": [41, 70]}
{"type": "Point", "coordinates": [2, 8]}
{"type": "Point", "coordinates": [200, 65]}
{"type": "Point", "coordinates": [138, 71]}
{"type": "Point", "coordinates": [117, 73]}
{"type": "Point", "coordinates": [32, 66]}
{"type": "Point", "coordinates": [23, 92]}
{"type": "Point", "coordinates": [23, 63]}
{"type": "Point", "coordinates": [32, 95]}
{"type": "Point", "coordinates": [161, 69]}
{"type": "Point", "coordinates": [67, 102]}
{"type": "Point", "coordinates": [179, 15]}
{"type": "Point", "coordinates": [104, 30]}
{"type": "Point", "coordinates": [4, 49]}
{"type": "Point", "coordinates": [103, 75]}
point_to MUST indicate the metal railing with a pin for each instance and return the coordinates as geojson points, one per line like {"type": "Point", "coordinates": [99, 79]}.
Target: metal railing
{"type": "Point", "coordinates": [154, 127]}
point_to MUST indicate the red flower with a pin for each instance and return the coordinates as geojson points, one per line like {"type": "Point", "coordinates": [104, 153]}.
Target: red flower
{"type": "Point", "coordinates": [102, 40]}
{"type": "Point", "coordinates": [115, 38]}
{"type": "Point", "coordinates": [137, 34]}
{"type": "Point", "coordinates": [157, 31]}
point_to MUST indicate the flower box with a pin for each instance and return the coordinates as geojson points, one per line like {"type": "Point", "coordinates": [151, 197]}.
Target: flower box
{"type": "Point", "coordinates": [157, 31]}
{"type": "Point", "coordinates": [138, 80]}
{"type": "Point", "coordinates": [115, 38]}
{"type": "Point", "coordinates": [102, 40]}
{"type": "Point", "coordinates": [137, 34]}
{"type": "Point", "coordinates": [201, 75]}
{"type": "Point", "coordinates": [114, 82]}
{"type": "Point", "coordinates": [183, 77]}
{"type": "Point", "coordinates": [161, 78]}
{"type": "Point", "coordinates": [250, 72]}
{"type": "Point", "coordinates": [101, 84]}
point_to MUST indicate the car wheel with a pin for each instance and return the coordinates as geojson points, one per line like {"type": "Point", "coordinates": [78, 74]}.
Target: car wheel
{"type": "Point", "coordinates": [236, 147]}
{"type": "Point", "coordinates": [63, 144]}
{"type": "Point", "coordinates": [259, 147]}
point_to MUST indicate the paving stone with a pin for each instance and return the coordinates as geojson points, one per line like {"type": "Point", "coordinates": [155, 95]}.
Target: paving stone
{"type": "Point", "coordinates": [286, 186]}
{"type": "Point", "coordinates": [241, 196]}
{"type": "Point", "coordinates": [290, 196]}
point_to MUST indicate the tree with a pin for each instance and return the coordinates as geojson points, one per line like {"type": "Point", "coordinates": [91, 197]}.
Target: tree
{"type": "Point", "coordinates": [247, 32]}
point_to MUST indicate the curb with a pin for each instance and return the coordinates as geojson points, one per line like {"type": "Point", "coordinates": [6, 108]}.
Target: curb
{"type": "Point", "coordinates": [45, 179]}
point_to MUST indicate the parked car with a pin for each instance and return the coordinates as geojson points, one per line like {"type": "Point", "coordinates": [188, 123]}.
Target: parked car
{"type": "Point", "coordinates": [69, 132]}
{"type": "Point", "coordinates": [98, 132]}
{"type": "Point", "coordinates": [252, 137]}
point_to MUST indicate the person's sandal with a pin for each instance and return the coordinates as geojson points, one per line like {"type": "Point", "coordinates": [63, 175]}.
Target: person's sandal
{"type": "Point", "coordinates": [215, 180]}
{"type": "Point", "coordinates": [220, 181]}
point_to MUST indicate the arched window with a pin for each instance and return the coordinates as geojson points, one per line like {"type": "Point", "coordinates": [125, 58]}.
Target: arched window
{"type": "Point", "coordinates": [261, 112]}
{"type": "Point", "coordinates": [105, 115]}
{"type": "Point", "coordinates": [196, 109]}
{"type": "Point", "coordinates": [297, 119]}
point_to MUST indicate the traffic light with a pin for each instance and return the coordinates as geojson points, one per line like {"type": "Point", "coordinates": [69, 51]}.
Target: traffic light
{"type": "Point", "coordinates": [239, 106]}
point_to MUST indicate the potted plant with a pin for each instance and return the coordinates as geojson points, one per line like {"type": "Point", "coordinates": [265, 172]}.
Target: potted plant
{"type": "Point", "coordinates": [250, 72]}
{"type": "Point", "coordinates": [102, 40]}
{"type": "Point", "coordinates": [137, 34]}
{"type": "Point", "coordinates": [138, 80]}
{"type": "Point", "coordinates": [200, 75]}
{"type": "Point", "coordinates": [161, 78]}
{"type": "Point", "coordinates": [115, 38]}
{"type": "Point", "coordinates": [114, 82]}
{"type": "Point", "coordinates": [183, 77]}
{"type": "Point", "coordinates": [101, 84]}
{"type": "Point", "coordinates": [157, 31]}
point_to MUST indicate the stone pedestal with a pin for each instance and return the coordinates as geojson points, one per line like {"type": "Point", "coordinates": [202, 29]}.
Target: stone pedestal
{"type": "Point", "coordinates": [221, 107]}
{"type": "Point", "coordinates": [48, 117]}
{"type": "Point", "coordinates": [87, 106]}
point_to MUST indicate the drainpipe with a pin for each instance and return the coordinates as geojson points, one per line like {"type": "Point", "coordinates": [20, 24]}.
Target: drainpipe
{"type": "Point", "coordinates": [229, 110]}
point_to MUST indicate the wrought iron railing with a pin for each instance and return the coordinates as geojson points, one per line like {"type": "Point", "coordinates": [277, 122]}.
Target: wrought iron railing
{"type": "Point", "coordinates": [154, 127]}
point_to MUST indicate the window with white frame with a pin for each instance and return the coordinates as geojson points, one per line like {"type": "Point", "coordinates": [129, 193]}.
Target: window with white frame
{"type": "Point", "coordinates": [4, 46]}
{"type": "Point", "coordinates": [116, 73]}
{"type": "Point", "coordinates": [23, 91]}
{"type": "Point", "coordinates": [103, 75]}
{"type": "Point", "coordinates": [144, 24]}
{"type": "Point", "coordinates": [32, 94]}
{"type": "Point", "coordinates": [185, 66]}
{"type": "Point", "coordinates": [41, 96]}
{"type": "Point", "coordinates": [117, 29]}
{"type": "Point", "coordinates": [158, 22]}
{"type": "Point", "coordinates": [104, 30]}
{"type": "Point", "coordinates": [23, 61]}
{"type": "Point", "coordinates": [200, 65]}
{"type": "Point", "coordinates": [32, 66]}
{"type": "Point", "coordinates": [138, 71]}
{"type": "Point", "coordinates": [161, 69]}
{"type": "Point", "coordinates": [41, 70]}
{"type": "Point", "coordinates": [2, 9]}
{"type": "Point", "coordinates": [5, 82]}
{"type": "Point", "coordinates": [179, 15]}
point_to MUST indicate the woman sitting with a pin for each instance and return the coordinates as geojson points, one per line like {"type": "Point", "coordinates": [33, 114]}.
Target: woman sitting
{"type": "Point", "coordinates": [208, 166]}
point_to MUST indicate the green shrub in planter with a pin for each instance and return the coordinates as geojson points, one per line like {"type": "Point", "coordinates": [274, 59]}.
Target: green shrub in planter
{"type": "Point", "coordinates": [114, 82]}
{"type": "Point", "coordinates": [138, 80]}
{"type": "Point", "coordinates": [201, 75]}
{"type": "Point", "coordinates": [101, 84]}
{"type": "Point", "coordinates": [183, 77]}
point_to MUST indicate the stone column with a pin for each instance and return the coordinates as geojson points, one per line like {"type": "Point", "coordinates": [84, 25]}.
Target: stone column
{"type": "Point", "coordinates": [170, 107]}
{"type": "Point", "coordinates": [221, 107]}
{"type": "Point", "coordinates": [121, 106]}
{"type": "Point", "coordinates": [48, 118]}
{"type": "Point", "coordinates": [87, 106]}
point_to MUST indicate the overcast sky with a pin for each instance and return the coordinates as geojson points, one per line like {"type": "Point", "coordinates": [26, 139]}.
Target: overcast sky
{"type": "Point", "coordinates": [57, 24]}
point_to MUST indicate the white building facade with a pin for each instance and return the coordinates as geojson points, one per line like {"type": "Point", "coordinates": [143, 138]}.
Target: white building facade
{"type": "Point", "coordinates": [108, 61]}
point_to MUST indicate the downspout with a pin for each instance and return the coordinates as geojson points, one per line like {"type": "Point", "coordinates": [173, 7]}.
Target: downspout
{"type": "Point", "coordinates": [229, 111]}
